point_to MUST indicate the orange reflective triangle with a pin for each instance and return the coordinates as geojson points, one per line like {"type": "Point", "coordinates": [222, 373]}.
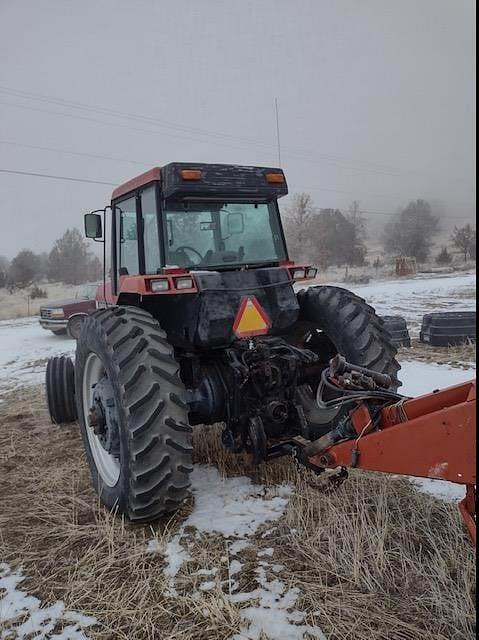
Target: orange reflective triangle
{"type": "Point", "coordinates": [251, 319]}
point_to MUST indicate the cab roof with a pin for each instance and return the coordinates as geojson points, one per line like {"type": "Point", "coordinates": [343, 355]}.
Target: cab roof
{"type": "Point", "coordinates": [137, 182]}
{"type": "Point", "coordinates": [210, 179]}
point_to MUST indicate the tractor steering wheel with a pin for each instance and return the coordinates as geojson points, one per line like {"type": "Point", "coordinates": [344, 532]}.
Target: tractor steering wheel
{"type": "Point", "coordinates": [184, 248]}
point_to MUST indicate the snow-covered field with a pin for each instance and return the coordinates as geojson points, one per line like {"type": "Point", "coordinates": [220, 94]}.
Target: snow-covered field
{"type": "Point", "coordinates": [233, 507]}
{"type": "Point", "coordinates": [414, 297]}
{"type": "Point", "coordinates": [24, 345]}
{"type": "Point", "coordinates": [24, 348]}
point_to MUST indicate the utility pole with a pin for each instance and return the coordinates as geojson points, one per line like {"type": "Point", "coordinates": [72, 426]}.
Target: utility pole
{"type": "Point", "coordinates": [278, 141]}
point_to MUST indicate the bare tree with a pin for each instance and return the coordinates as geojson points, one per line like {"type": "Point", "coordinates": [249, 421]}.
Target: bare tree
{"type": "Point", "coordinates": [356, 217]}
{"type": "Point", "coordinates": [464, 238]}
{"type": "Point", "coordinates": [412, 231]}
{"type": "Point", "coordinates": [297, 224]}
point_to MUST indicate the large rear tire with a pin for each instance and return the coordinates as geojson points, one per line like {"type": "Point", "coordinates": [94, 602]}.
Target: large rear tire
{"type": "Point", "coordinates": [334, 320]}
{"type": "Point", "coordinates": [137, 440]}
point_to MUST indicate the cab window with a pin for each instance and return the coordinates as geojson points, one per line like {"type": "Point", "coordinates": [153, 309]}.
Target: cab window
{"type": "Point", "coordinates": [127, 238]}
{"type": "Point", "coordinates": [150, 230]}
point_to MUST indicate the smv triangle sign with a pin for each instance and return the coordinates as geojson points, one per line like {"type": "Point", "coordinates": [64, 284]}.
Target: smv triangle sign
{"type": "Point", "coordinates": [251, 319]}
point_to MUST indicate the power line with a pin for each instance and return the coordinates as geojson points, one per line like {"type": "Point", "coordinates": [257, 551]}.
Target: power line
{"type": "Point", "coordinates": [52, 177]}
{"type": "Point", "coordinates": [114, 184]}
{"type": "Point", "coordinates": [149, 132]}
{"type": "Point", "coordinates": [74, 153]}
{"type": "Point", "coordinates": [334, 160]}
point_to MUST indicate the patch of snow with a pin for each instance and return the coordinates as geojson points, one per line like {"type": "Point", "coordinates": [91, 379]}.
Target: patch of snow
{"type": "Point", "coordinates": [277, 567]}
{"type": "Point", "coordinates": [207, 586]}
{"type": "Point", "coordinates": [175, 556]}
{"type": "Point", "coordinates": [274, 614]}
{"type": "Point", "coordinates": [447, 491]}
{"type": "Point", "coordinates": [239, 506]}
{"type": "Point", "coordinates": [38, 621]}
{"type": "Point", "coordinates": [24, 346]}
{"type": "Point", "coordinates": [153, 546]}
{"type": "Point", "coordinates": [419, 378]}
{"type": "Point", "coordinates": [265, 552]}
{"type": "Point", "coordinates": [235, 567]}
{"type": "Point", "coordinates": [238, 546]}
{"type": "Point", "coordinates": [206, 572]}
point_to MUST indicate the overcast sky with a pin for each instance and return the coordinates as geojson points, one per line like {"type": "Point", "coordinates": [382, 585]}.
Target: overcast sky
{"type": "Point", "coordinates": [376, 100]}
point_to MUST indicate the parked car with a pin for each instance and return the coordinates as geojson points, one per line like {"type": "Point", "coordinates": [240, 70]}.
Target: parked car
{"type": "Point", "coordinates": [66, 316]}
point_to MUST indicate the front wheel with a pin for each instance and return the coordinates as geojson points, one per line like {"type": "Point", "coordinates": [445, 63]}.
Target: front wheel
{"type": "Point", "coordinates": [133, 413]}
{"type": "Point", "coordinates": [75, 325]}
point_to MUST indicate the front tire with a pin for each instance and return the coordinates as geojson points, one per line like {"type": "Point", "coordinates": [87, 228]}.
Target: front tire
{"type": "Point", "coordinates": [59, 332]}
{"type": "Point", "coordinates": [139, 452]}
{"type": "Point", "coordinates": [75, 325]}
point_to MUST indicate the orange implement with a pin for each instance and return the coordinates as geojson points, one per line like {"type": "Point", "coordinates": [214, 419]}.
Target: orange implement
{"type": "Point", "coordinates": [432, 436]}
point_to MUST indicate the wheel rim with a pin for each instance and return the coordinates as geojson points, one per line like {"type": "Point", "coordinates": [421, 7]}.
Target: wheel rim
{"type": "Point", "coordinates": [107, 465]}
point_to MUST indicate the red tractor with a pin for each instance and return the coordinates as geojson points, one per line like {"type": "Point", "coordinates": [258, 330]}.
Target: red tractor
{"type": "Point", "coordinates": [202, 324]}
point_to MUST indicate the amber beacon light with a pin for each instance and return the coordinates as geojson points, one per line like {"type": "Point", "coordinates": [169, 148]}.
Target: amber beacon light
{"type": "Point", "coordinates": [274, 178]}
{"type": "Point", "coordinates": [190, 174]}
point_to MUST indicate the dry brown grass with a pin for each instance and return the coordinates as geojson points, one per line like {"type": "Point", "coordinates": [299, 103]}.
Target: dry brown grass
{"type": "Point", "coordinates": [18, 305]}
{"type": "Point", "coordinates": [373, 560]}
{"type": "Point", "coordinates": [459, 356]}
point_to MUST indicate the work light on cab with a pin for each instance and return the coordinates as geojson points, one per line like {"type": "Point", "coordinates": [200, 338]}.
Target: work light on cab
{"type": "Point", "coordinates": [159, 285]}
{"type": "Point", "coordinates": [184, 283]}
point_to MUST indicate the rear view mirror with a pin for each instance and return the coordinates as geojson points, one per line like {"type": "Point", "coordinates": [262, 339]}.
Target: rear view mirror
{"type": "Point", "coordinates": [235, 223]}
{"type": "Point", "coordinates": [93, 226]}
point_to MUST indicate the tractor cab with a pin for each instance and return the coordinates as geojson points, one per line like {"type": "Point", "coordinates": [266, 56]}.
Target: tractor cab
{"type": "Point", "coordinates": [195, 216]}
{"type": "Point", "coordinates": [201, 228]}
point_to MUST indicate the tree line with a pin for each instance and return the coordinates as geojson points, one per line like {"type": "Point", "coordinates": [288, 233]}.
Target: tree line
{"type": "Point", "coordinates": [326, 237]}
{"type": "Point", "coordinates": [331, 237]}
{"type": "Point", "coordinates": [69, 261]}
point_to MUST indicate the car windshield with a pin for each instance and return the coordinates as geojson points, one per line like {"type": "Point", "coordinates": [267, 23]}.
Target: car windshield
{"type": "Point", "coordinates": [87, 292]}
{"type": "Point", "coordinates": [218, 234]}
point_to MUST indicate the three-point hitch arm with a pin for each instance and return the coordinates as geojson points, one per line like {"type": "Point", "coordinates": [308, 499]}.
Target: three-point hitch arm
{"type": "Point", "coordinates": [431, 436]}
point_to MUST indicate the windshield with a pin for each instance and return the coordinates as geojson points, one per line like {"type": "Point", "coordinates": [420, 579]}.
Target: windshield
{"type": "Point", "coordinates": [218, 234]}
{"type": "Point", "coordinates": [87, 292]}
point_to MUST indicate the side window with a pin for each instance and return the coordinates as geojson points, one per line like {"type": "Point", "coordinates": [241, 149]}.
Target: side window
{"type": "Point", "coordinates": [127, 240]}
{"type": "Point", "coordinates": [150, 231]}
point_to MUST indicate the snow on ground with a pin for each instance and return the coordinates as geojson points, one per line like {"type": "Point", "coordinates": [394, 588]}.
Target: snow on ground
{"type": "Point", "coordinates": [274, 613]}
{"type": "Point", "coordinates": [24, 347]}
{"type": "Point", "coordinates": [235, 508]}
{"type": "Point", "coordinates": [420, 378]}
{"type": "Point", "coordinates": [423, 377]}
{"type": "Point", "coordinates": [414, 297]}
{"type": "Point", "coordinates": [37, 621]}
{"type": "Point", "coordinates": [239, 506]}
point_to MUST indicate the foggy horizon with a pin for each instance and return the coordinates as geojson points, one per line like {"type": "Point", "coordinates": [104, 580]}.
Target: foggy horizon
{"type": "Point", "coordinates": [376, 102]}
